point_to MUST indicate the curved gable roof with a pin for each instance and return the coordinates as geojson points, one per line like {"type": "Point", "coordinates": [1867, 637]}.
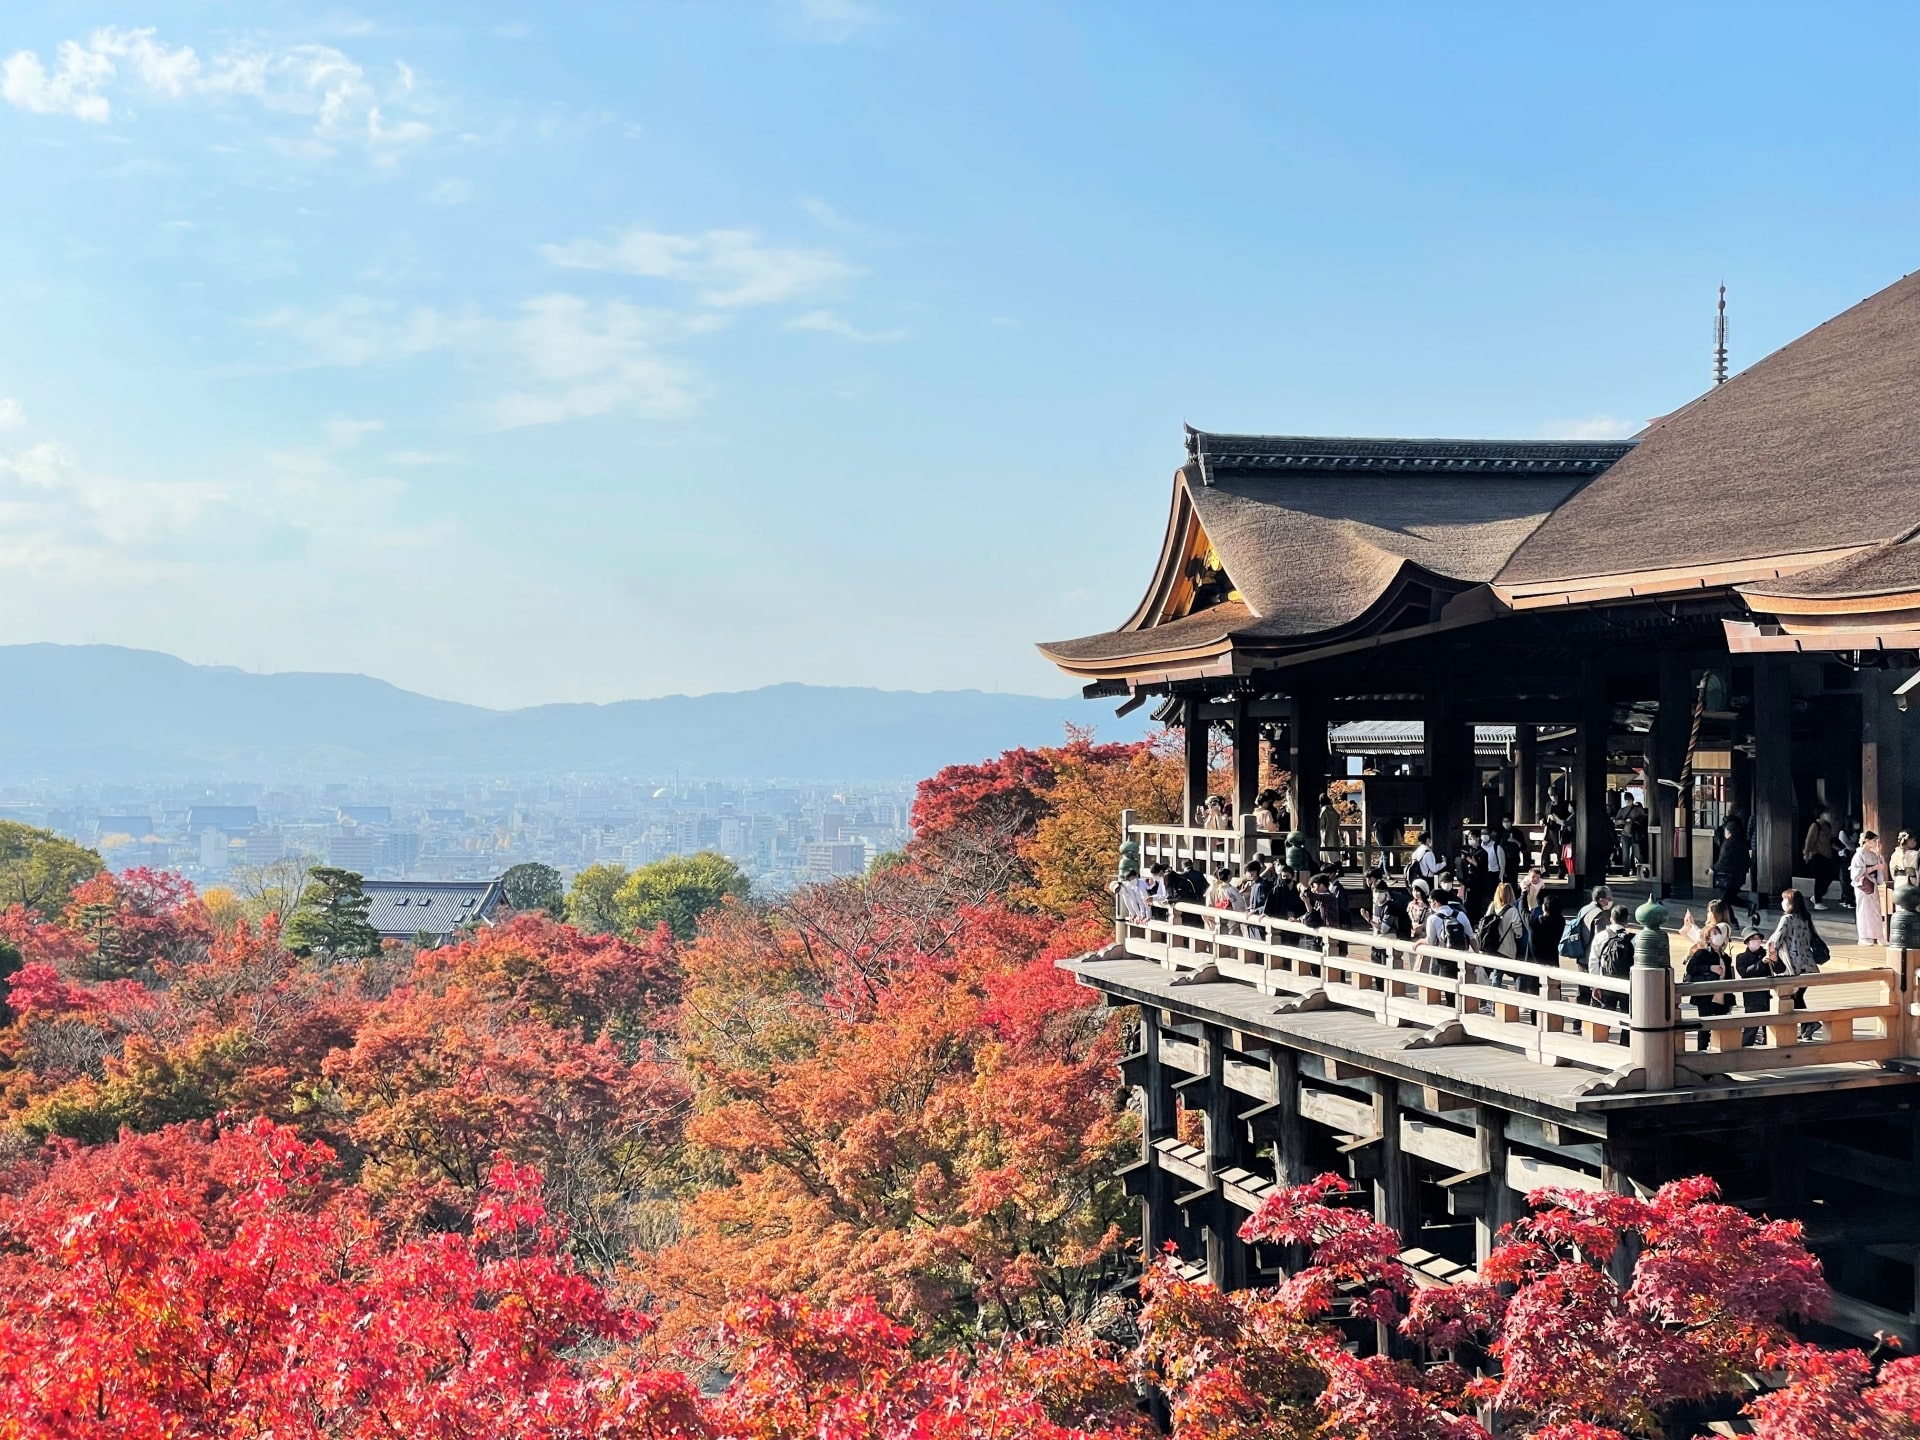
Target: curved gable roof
{"type": "Point", "coordinates": [1814, 449]}
{"type": "Point", "coordinates": [1318, 533]}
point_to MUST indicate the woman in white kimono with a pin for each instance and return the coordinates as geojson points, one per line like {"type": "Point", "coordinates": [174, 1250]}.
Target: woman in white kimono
{"type": "Point", "coordinates": [1868, 872]}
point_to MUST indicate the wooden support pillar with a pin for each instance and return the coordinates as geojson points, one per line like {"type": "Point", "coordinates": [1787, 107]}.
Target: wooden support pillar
{"type": "Point", "coordinates": [1526, 774]}
{"type": "Point", "coordinates": [1774, 848]}
{"type": "Point", "coordinates": [1281, 1124]}
{"type": "Point", "coordinates": [1307, 761]}
{"type": "Point", "coordinates": [1195, 741]}
{"type": "Point", "coordinates": [1157, 1122]}
{"type": "Point", "coordinates": [1246, 760]}
{"type": "Point", "coordinates": [1668, 808]}
{"type": "Point", "coordinates": [1502, 1204]}
{"type": "Point", "coordinates": [1590, 778]}
{"type": "Point", "coordinates": [1882, 756]}
{"type": "Point", "coordinates": [1449, 747]}
{"type": "Point", "coordinates": [1226, 1256]}
{"type": "Point", "coordinates": [1395, 1202]}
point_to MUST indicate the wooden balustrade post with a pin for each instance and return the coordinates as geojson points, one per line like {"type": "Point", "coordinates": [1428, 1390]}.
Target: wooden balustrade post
{"type": "Point", "coordinates": [1651, 1036]}
{"type": "Point", "coordinates": [1249, 836]}
{"type": "Point", "coordinates": [1903, 953]}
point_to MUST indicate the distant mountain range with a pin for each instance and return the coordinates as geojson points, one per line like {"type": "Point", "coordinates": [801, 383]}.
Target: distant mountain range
{"type": "Point", "coordinates": [101, 712]}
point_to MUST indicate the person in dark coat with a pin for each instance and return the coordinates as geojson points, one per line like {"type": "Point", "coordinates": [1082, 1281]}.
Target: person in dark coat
{"type": "Point", "coordinates": [1752, 962]}
{"type": "Point", "coordinates": [1730, 860]}
{"type": "Point", "coordinates": [1710, 961]}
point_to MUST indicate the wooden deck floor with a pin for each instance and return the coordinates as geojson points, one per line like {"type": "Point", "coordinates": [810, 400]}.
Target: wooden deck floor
{"type": "Point", "coordinates": [1475, 1070]}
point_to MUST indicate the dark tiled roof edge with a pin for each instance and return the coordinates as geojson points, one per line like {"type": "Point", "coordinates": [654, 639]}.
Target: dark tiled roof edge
{"type": "Point", "coordinates": [1410, 456]}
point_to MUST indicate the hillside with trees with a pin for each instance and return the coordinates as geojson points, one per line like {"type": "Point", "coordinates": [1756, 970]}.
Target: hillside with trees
{"type": "Point", "coordinates": [690, 1164]}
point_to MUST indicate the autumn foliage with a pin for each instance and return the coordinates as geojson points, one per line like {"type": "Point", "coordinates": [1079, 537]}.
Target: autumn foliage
{"type": "Point", "coordinates": [840, 1163]}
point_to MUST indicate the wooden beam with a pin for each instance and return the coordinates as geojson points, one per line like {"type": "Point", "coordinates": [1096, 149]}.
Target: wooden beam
{"type": "Point", "coordinates": [1342, 1113]}
{"type": "Point", "coordinates": [1454, 1149]}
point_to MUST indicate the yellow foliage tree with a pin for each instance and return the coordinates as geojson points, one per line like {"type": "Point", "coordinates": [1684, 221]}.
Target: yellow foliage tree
{"type": "Point", "coordinates": [1074, 850]}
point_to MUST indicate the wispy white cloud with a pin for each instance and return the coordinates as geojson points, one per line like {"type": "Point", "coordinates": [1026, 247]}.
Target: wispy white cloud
{"type": "Point", "coordinates": [58, 518]}
{"type": "Point", "coordinates": [357, 330]}
{"type": "Point", "coordinates": [829, 22]}
{"type": "Point", "coordinates": [581, 358]}
{"type": "Point", "coordinates": [828, 323]}
{"type": "Point", "coordinates": [727, 269]}
{"type": "Point", "coordinates": [1594, 427]}
{"type": "Point", "coordinates": [12, 415]}
{"type": "Point", "coordinates": [341, 101]}
{"type": "Point", "coordinates": [449, 192]}
{"type": "Point", "coordinates": [416, 459]}
{"type": "Point", "coordinates": [346, 434]}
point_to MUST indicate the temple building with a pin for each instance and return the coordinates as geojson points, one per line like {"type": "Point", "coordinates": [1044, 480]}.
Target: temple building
{"type": "Point", "coordinates": [1722, 614]}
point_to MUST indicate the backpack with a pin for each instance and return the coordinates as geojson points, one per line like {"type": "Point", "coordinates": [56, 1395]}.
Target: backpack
{"type": "Point", "coordinates": [1453, 930]}
{"type": "Point", "coordinates": [1616, 956]}
{"type": "Point", "coordinates": [1486, 939]}
{"type": "Point", "coordinates": [1570, 946]}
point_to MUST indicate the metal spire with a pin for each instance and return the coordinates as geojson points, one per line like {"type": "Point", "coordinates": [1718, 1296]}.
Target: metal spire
{"type": "Point", "coordinates": [1720, 340]}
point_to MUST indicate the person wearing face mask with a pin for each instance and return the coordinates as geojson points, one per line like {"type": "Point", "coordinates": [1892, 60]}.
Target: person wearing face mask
{"type": "Point", "coordinates": [1710, 961]}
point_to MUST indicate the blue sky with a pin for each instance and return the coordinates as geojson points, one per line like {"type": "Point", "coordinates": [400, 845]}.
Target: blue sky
{"type": "Point", "coordinates": [578, 351]}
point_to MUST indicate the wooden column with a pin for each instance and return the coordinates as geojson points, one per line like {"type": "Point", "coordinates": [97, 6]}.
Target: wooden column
{"type": "Point", "coordinates": [1280, 1124]}
{"type": "Point", "coordinates": [1195, 741]}
{"type": "Point", "coordinates": [1157, 1117]}
{"type": "Point", "coordinates": [1307, 760]}
{"type": "Point", "coordinates": [1882, 756]}
{"type": "Point", "coordinates": [1449, 747]}
{"type": "Point", "coordinates": [1526, 774]}
{"type": "Point", "coordinates": [1246, 759]}
{"type": "Point", "coordinates": [1666, 807]}
{"type": "Point", "coordinates": [1774, 843]}
{"type": "Point", "coordinates": [1590, 777]}
{"type": "Point", "coordinates": [1502, 1205]}
{"type": "Point", "coordinates": [1226, 1256]}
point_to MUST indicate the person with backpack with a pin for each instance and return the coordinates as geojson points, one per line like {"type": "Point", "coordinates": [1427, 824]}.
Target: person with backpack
{"type": "Point", "coordinates": [1447, 930]}
{"type": "Point", "coordinates": [1612, 956]}
{"type": "Point", "coordinates": [1502, 932]}
{"type": "Point", "coordinates": [1425, 862]}
{"type": "Point", "coordinates": [1576, 938]}
{"type": "Point", "coordinates": [1796, 948]}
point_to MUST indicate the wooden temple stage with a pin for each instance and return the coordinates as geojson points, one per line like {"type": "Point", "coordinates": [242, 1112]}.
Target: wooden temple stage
{"type": "Point", "coordinates": [1722, 614]}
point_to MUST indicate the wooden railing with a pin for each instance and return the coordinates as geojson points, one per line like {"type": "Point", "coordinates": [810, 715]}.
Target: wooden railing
{"type": "Point", "coordinates": [1632, 1028]}
{"type": "Point", "coordinates": [1174, 845]}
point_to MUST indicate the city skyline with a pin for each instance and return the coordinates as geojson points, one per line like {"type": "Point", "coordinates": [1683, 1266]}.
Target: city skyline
{"type": "Point", "coordinates": [514, 359]}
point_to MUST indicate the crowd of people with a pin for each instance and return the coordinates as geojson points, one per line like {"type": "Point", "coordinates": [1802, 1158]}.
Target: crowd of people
{"type": "Point", "coordinates": [1489, 897]}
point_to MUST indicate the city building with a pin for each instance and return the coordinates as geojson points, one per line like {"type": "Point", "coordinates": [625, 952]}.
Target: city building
{"type": "Point", "coordinates": [435, 909]}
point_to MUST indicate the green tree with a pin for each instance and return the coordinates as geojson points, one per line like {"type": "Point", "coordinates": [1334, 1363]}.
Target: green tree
{"type": "Point", "coordinates": [677, 891]}
{"type": "Point", "coordinates": [592, 903]}
{"type": "Point", "coordinates": [38, 869]}
{"type": "Point", "coordinates": [331, 918]}
{"type": "Point", "coordinates": [533, 886]}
